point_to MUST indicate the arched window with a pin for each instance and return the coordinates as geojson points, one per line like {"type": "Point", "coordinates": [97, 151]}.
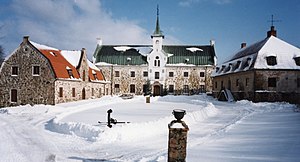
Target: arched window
{"type": "Point", "coordinates": [157, 61]}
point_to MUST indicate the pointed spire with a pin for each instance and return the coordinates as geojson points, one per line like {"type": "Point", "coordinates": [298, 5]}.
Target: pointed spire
{"type": "Point", "coordinates": [157, 32]}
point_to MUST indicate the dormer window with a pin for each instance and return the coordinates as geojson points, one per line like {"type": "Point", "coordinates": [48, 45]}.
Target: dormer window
{"type": "Point", "coordinates": [271, 60]}
{"type": "Point", "coordinates": [237, 65]}
{"type": "Point", "coordinates": [95, 76]}
{"type": "Point", "coordinates": [297, 60]}
{"type": "Point", "coordinates": [70, 73]}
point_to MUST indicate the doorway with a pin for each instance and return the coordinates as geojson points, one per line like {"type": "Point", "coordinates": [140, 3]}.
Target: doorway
{"type": "Point", "coordinates": [83, 93]}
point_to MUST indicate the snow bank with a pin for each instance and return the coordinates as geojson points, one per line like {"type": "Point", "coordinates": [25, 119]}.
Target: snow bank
{"type": "Point", "coordinates": [126, 133]}
{"type": "Point", "coordinates": [85, 131]}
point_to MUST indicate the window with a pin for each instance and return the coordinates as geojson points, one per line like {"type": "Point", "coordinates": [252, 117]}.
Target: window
{"type": "Point", "coordinates": [95, 76]}
{"type": "Point", "coordinates": [201, 74]}
{"type": "Point", "coordinates": [202, 88]}
{"type": "Point", "coordinates": [237, 82]}
{"type": "Point", "coordinates": [216, 84]}
{"type": "Point", "coordinates": [145, 73]}
{"type": "Point", "coordinates": [36, 70]}
{"type": "Point", "coordinates": [156, 75]}
{"type": "Point", "coordinates": [13, 95]}
{"type": "Point", "coordinates": [92, 91]}
{"type": "Point", "coordinates": [132, 74]}
{"type": "Point", "coordinates": [157, 61]}
{"type": "Point", "coordinates": [61, 91]}
{"type": "Point", "coordinates": [117, 88]}
{"type": "Point", "coordinates": [271, 60]}
{"type": "Point", "coordinates": [70, 73]}
{"type": "Point", "coordinates": [117, 73]}
{"type": "Point", "coordinates": [171, 88]}
{"type": "Point", "coordinates": [83, 75]}
{"type": "Point", "coordinates": [247, 81]}
{"type": "Point", "coordinates": [73, 92]}
{"type": "Point", "coordinates": [298, 82]}
{"type": "Point", "coordinates": [14, 70]}
{"type": "Point", "coordinates": [222, 84]}
{"type": "Point", "coordinates": [132, 88]}
{"type": "Point", "coordinates": [171, 74]}
{"type": "Point", "coordinates": [145, 88]}
{"type": "Point", "coordinates": [185, 88]}
{"type": "Point", "coordinates": [185, 74]}
{"type": "Point", "coordinates": [271, 82]}
{"type": "Point", "coordinates": [297, 60]}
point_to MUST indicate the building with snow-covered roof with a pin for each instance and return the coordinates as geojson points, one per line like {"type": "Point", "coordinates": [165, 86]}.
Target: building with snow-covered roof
{"type": "Point", "coordinates": [38, 74]}
{"type": "Point", "coordinates": [173, 69]}
{"type": "Point", "coordinates": [268, 70]}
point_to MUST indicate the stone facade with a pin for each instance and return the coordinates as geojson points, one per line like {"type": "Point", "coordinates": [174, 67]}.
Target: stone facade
{"type": "Point", "coordinates": [30, 89]}
{"type": "Point", "coordinates": [28, 77]}
{"type": "Point", "coordinates": [256, 86]}
{"type": "Point", "coordinates": [198, 79]}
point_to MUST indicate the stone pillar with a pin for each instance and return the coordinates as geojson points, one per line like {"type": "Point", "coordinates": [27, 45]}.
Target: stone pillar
{"type": "Point", "coordinates": [177, 141]}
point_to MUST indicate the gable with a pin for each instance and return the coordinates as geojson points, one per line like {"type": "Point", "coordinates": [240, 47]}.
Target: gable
{"type": "Point", "coordinates": [66, 64]}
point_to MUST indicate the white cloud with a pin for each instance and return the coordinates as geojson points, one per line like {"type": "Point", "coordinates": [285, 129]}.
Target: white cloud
{"type": "Point", "coordinates": [73, 24]}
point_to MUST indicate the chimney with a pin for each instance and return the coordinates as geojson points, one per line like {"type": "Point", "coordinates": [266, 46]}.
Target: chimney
{"type": "Point", "coordinates": [243, 45]}
{"type": "Point", "coordinates": [25, 39]}
{"type": "Point", "coordinates": [212, 42]}
{"type": "Point", "coordinates": [99, 41]}
{"type": "Point", "coordinates": [272, 32]}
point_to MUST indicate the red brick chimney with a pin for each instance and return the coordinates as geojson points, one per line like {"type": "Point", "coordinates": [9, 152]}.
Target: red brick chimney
{"type": "Point", "coordinates": [272, 32]}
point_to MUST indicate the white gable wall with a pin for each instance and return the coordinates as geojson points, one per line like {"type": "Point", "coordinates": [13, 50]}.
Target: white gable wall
{"type": "Point", "coordinates": [283, 51]}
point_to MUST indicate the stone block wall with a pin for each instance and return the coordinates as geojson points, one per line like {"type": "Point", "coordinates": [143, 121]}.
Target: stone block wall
{"type": "Point", "coordinates": [31, 89]}
{"type": "Point", "coordinates": [82, 90]}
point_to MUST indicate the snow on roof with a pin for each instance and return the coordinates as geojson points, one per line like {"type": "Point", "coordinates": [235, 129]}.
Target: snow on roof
{"type": "Point", "coordinates": [283, 51]}
{"type": "Point", "coordinates": [73, 57]}
{"type": "Point", "coordinates": [122, 48]}
{"type": "Point", "coordinates": [92, 66]}
{"type": "Point", "coordinates": [144, 50]}
{"type": "Point", "coordinates": [42, 47]}
{"type": "Point", "coordinates": [194, 49]}
{"type": "Point", "coordinates": [256, 57]}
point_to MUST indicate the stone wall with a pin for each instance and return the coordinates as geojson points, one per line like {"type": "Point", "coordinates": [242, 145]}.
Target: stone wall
{"type": "Point", "coordinates": [82, 90]}
{"type": "Point", "coordinates": [31, 89]}
{"type": "Point", "coordinates": [194, 81]}
{"type": "Point", "coordinates": [253, 85]}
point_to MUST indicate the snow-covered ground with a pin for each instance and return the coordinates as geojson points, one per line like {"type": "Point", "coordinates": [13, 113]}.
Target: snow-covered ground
{"type": "Point", "coordinates": [219, 131]}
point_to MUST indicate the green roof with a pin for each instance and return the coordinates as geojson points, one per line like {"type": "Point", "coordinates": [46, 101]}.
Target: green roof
{"type": "Point", "coordinates": [137, 54]}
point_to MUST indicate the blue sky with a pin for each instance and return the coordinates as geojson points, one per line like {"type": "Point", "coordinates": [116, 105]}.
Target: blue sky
{"type": "Point", "coordinates": [74, 24]}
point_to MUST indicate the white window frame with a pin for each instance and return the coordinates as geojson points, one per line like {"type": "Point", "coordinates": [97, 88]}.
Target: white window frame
{"type": "Point", "coordinates": [33, 70]}
{"type": "Point", "coordinates": [12, 70]}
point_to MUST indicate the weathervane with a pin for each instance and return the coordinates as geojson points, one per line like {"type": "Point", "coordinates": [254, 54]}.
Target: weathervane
{"type": "Point", "coordinates": [272, 20]}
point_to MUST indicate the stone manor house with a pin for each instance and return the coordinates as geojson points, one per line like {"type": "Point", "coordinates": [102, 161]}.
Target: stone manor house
{"type": "Point", "coordinates": [268, 70]}
{"type": "Point", "coordinates": [158, 68]}
{"type": "Point", "coordinates": [38, 74]}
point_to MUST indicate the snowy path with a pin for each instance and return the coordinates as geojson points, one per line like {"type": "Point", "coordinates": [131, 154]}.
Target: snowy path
{"type": "Point", "coordinates": [219, 131]}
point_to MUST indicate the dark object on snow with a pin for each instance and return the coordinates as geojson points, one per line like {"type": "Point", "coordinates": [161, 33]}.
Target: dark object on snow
{"type": "Point", "coordinates": [111, 120]}
{"type": "Point", "coordinates": [126, 96]}
{"type": "Point", "coordinates": [177, 138]}
{"type": "Point", "coordinates": [178, 114]}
